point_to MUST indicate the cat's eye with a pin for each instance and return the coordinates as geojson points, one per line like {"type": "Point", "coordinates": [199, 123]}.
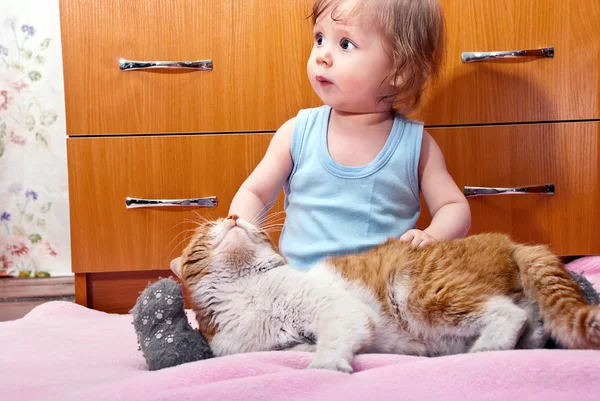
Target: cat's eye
{"type": "Point", "coordinates": [346, 44]}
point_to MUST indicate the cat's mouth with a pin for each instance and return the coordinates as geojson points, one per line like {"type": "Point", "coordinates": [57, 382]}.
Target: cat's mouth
{"type": "Point", "coordinates": [234, 226]}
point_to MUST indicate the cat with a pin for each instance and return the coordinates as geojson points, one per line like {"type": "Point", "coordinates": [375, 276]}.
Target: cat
{"type": "Point", "coordinates": [479, 293]}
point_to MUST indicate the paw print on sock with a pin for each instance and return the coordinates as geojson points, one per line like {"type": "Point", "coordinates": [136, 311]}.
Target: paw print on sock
{"type": "Point", "coordinates": [169, 299]}
{"type": "Point", "coordinates": [158, 293]}
{"type": "Point", "coordinates": [169, 322]}
{"type": "Point", "coordinates": [159, 314]}
{"type": "Point", "coordinates": [169, 339]}
{"type": "Point", "coordinates": [145, 301]}
{"type": "Point", "coordinates": [159, 334]}
{"type": "Point", "coordinates": [145, 320]}
{"type": "Point", "coordinates": [146, 342]}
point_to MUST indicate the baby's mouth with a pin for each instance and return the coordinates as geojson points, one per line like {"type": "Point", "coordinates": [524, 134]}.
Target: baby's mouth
{"type": "Point", "coordinates": [322, 80]}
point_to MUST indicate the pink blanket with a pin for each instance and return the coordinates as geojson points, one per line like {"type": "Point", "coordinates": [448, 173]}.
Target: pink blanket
{"type": "Point", "coordinates": [62, 351]}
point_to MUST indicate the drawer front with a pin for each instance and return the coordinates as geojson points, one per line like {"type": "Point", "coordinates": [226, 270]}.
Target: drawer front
{"type": "Point", "coordinates": [258, 48]}
{"type": "Point", "coordinates": [103, 172]}
{"type": "Point", "coordinates": [563, 154]}
{"type": "Point", "coordinates": [565, 87]}
{"type": "Point", "coordinates": [117, 292]}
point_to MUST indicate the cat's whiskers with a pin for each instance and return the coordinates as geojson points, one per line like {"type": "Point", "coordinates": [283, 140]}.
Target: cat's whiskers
{"type": "Point", "coordinates": [184, 221]}
{"type": "Point", "coordinates": [276, 227]}
{"type": "Point", "coordinates": [272, 225]}
{"type": "Point", "coordinates": [185, 239]}
{"type": "Point", "coordinates": [256, 220]}
{"type": "Point", "coordinates": [195, 223]}
{"type": "Point", "coordinates": [273, 230]}
{"type": "Point", "coordinates": [178, 234]}
{"type": "Point", "coordinates": [275, 215]}
{"type": "Point", "coordinates": [274, 218]}
{"type": "Point", "coordinates": [202, 219]}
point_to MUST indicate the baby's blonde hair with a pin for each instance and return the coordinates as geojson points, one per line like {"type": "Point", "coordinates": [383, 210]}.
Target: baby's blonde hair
{"type": "Point", "coordinates": [413, 32]}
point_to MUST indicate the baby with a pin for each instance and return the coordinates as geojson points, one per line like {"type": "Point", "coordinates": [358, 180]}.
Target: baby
{"type": "Point", "coordinates": [353, 170]}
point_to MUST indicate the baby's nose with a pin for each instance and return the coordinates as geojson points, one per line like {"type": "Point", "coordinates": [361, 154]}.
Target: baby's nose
{"type": "Point", "coordinates": [233, 217]}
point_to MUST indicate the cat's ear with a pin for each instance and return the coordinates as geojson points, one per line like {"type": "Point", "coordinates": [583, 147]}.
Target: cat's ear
{"type": "Point", "coordinates": [176, 266]}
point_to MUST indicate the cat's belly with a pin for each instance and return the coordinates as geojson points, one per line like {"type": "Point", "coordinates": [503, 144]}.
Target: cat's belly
{"type": "Point", "coordinates": [436, 340]}
{"type": "Point", "coordinates": [396, 331]}
{"type": "Point", "coordinates": [389, 336]}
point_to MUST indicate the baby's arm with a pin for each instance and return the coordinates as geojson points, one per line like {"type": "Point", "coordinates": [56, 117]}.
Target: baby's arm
{"type": "Point", "coordinates": [257, 194]}
{"type": "Point", "coordinates": [451, 216]}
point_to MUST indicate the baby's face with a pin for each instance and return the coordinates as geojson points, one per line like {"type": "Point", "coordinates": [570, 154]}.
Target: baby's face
{"type": "Point", "coordinates": [349, 67]}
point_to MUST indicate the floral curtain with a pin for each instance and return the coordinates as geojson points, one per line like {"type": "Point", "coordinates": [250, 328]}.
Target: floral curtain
{"type": "Point", "coordinates": [34, 217]}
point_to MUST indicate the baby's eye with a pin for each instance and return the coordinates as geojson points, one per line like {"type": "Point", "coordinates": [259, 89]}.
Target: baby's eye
{"type": "Point", "coordinates": [347, 45]}
{"type": "Point", "coordinates": [319, 39]}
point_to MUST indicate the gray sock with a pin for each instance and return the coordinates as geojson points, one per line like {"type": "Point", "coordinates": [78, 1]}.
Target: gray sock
{"type": "Point", "coordinates": [164, 334]}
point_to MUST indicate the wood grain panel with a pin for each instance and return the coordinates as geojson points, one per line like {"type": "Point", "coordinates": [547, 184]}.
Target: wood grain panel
{"type": "Point", "coordinates": [54, 287]}
{"type": "Point", "coordinates": [118, 292]}
{"type": "Point", "coordinates": [565, 154]}
{"type": "Point", "coordinates": [259, 49]}
{"type": "Point", "coordinates": [81, 291]}
{"type": "Point", "coordinates": [566, 87]}
{"type": "Point", "coordinates": [18, 296]}
{"type": "Point", "coordinates": [16, 310]}
{"type": "Point", "coordinates": [105, 236]}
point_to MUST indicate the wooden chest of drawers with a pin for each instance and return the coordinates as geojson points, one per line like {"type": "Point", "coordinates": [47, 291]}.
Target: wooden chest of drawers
{"type": "Point", "coordinates": [179, 134]}
{"type": "Point", "coordinates": [564, 155]}
{"type": "Point", "coordinates": [565, 87]}
{"type": "Point", "coordinates": [258, 50]}
{"type": "Point", "coordinates": [110, 237]}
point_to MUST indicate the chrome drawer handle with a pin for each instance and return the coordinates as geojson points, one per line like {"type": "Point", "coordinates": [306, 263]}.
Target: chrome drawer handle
{"type": "Point", "coordinates": [547, 189]}
{"type": "Point", "coordinates": [473, 57]}
{"type": "Point", "coordinates": [133, 203]}
{"type": "Point", "coordinates": [130, 65]}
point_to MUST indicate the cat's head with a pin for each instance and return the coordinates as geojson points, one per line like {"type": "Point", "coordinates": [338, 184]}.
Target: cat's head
{"type": "Point", "coordinates": [224, 250]}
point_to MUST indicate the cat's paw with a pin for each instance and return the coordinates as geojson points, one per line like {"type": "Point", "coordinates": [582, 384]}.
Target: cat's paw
{"type": "Point", "coordinates": [337, 364]}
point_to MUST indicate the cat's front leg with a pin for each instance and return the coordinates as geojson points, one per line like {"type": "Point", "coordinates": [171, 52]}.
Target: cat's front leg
{"type": "Point", "coordinates": [340, 335]}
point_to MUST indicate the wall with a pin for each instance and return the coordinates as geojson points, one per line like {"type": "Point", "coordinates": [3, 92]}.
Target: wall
{"type": "Point", "coordinates": [34, 217]}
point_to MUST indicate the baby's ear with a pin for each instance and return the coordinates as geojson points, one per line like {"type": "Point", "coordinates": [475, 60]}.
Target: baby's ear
{"type": "Point", "coordinates": [176, 266]}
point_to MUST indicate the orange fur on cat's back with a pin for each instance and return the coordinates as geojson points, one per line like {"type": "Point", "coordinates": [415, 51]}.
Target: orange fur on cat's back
{"type": "Point", "coordinates": [452, 280]}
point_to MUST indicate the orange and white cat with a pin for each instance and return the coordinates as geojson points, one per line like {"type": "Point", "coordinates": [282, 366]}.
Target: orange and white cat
{"type": "Point", "coordinates": [479, 293]}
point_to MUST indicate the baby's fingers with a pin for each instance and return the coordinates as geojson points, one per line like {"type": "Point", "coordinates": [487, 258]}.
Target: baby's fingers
{"type": "Point", "coordinates": [408, 236]}
{"type": "Point", "coordinates": [427, 241]}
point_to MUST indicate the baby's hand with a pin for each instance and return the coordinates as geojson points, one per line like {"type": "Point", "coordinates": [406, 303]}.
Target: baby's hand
{"type": "Point", "coordinates": [417, 238]}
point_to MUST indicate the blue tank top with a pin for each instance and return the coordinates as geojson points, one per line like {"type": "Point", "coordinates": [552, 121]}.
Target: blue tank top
{"type": "Point", "coordinates": [334, 210]}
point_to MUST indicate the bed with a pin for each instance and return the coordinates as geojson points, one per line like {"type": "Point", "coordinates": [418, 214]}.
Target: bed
{"type": "Point", "coordinates": [63, 351]}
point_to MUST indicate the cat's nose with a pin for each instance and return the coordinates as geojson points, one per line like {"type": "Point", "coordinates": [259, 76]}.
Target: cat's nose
{"type": "Point", "coordinates": [233, 217]}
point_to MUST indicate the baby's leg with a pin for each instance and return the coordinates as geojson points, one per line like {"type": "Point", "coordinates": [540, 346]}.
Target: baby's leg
{"type": "Point", "coordinates": [502, 324]}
